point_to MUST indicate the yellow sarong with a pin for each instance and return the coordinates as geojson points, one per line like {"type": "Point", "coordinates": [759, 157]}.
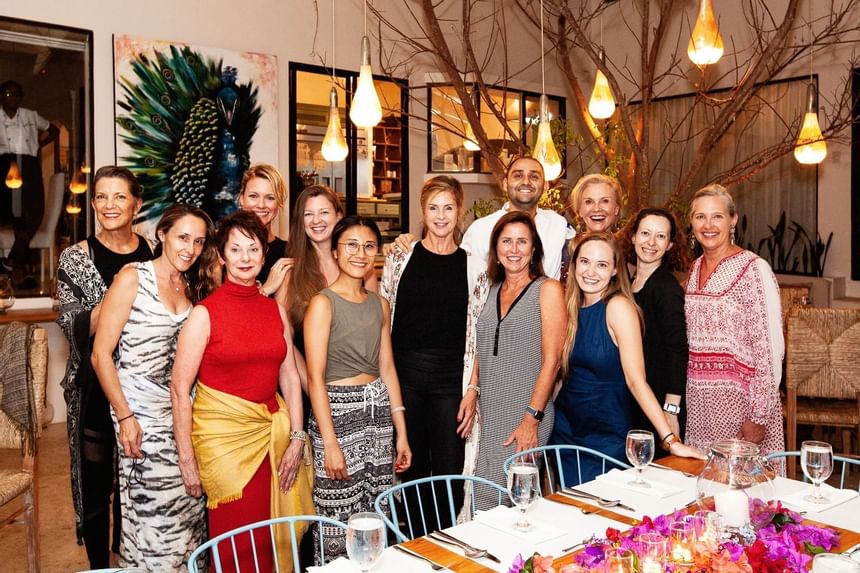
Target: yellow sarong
{"type": "Point", "coordinates": [231, 437]}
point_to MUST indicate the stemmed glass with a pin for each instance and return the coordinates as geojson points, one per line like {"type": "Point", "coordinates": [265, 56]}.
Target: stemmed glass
{"type": "Point", "coordinates": [816, 459]}
{"type": "Point", "coordinates": [640, 453]}
{"type": "Point", "coordinates": [523, 488]}
{"type": "Point", "coordinates": [365, 539]}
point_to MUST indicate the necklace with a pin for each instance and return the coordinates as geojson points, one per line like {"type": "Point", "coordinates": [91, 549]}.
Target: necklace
{"type": "Point", "coordinates": [181, 284]}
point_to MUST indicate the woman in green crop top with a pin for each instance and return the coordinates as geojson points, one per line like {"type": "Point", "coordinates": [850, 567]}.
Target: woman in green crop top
{"type": "Point", "coordinates": [353, 386]}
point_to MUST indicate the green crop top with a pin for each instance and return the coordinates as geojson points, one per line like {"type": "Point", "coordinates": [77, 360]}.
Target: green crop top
{"type": "Point", "coordinates": [353, 343]}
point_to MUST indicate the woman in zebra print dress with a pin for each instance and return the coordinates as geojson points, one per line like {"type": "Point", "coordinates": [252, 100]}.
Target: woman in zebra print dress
{"type": "Point", "coordinates": [141, 317]}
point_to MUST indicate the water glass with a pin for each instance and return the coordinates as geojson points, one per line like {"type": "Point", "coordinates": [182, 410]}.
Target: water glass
{"type": "Point", "coordinates": [816, 459]}
{"type": "Point", "coordinates": [523, 488]}
{"type": "Point", "coordinates": [365, 539]}
{"type": "Point", "coordinates": [834, 563]}
{"type": "Point", "coordinates": [619, 561]}
{"type": "Point", "coordinates": [640, 453]}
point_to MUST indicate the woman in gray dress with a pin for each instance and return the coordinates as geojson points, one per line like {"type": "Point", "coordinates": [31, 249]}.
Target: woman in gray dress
{"type": "Point", "coordinates": [519, 335]}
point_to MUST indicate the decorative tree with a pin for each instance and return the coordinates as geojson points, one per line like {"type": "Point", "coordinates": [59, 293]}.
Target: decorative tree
{"type": "Point", "coordinates": [427, 34]}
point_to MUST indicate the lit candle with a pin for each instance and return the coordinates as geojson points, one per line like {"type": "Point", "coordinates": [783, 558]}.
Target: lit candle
{"type": "Point", "coordinates": [651, 566]}
{"type": "Point", "coordinates": [733, 507]}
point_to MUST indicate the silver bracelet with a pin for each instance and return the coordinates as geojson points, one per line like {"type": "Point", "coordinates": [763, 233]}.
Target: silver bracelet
{"type": "Point", "coordinates": [298, 435]}
{"type": "Point", "coordinates": [474, 387]}
{"type": "Point", "coordinates": [395, 409]}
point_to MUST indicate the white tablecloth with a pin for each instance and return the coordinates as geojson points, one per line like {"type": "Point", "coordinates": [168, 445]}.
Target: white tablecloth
{"type": "Point", "coordinates": [577, 527]}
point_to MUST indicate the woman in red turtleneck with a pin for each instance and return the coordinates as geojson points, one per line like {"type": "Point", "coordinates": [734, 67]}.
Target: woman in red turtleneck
{"type": "Point", "coordinates": [241, 442]}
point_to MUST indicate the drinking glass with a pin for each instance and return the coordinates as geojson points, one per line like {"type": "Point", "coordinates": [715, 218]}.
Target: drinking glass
{"type": "Point", "coordinates": [365, 539]}
{"type": "Point", "coordinates": [523, 488]}
{"type": "Point", "coordinates": [816, 459]}
{"type": "Point", "coordinates": [7, 293]}
{"type": "Point", "coordinates": [619, 561]}
{"type": "Point", "coordinates": [640, 453]}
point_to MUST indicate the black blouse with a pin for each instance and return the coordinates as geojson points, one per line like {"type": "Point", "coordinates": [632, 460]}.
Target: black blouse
{"type": "Point", "coordinates": [664, 341]}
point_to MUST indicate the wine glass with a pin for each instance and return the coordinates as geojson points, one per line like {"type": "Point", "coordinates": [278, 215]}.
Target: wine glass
{"type": "Point", "coordinates": [523, 488]}
{"type": "Point", "coordinates": [365, 539]}
{"type": "Point", "coordinates": [816, 459]}
{"type": "Point", "coordinates": [7, 293]}
{"type": "Point", "coordinates": [640, 453]}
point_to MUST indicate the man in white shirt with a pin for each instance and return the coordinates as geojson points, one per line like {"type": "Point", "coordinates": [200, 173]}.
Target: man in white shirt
{"type": "Point", "coordinates": [22, 133]}
{"type": "Point", "coordinates": [524, 185]}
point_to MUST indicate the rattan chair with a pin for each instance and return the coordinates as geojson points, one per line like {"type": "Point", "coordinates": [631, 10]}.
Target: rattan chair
{"type": "Point", "coordinates": [22, 483]}
{"type": "Point", "coordinates": [822, 375]}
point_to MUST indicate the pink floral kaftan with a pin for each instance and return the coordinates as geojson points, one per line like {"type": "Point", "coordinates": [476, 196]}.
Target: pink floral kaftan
{"type": "Point", "coordinates": [734, 330]}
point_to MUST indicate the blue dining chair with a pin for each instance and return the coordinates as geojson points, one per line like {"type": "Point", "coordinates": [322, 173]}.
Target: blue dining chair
{"type": "Point", "coordinates": [427, 504]}
{"type": "Point", "coordinates": [550, 458]}
{"type": "Point", "coordinates": [842, 463]}
{"type": "Point", "coordinates": [197, 561]}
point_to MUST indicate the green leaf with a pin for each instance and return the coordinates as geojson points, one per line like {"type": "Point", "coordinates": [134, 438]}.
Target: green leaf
{"type": "Point", "coordinates": [813, 549]}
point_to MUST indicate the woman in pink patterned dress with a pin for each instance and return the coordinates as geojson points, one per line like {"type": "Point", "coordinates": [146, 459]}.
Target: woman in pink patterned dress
{"type": "Point", "coordinates": [734, 330]}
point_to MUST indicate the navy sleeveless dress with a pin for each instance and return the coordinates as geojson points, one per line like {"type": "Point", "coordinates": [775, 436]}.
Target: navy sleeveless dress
{"type": "Point", "coordinates": [593, 408]}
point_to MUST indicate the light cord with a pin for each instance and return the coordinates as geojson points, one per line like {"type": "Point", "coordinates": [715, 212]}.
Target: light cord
{"type": "Point", "coordinates": [542, 70]}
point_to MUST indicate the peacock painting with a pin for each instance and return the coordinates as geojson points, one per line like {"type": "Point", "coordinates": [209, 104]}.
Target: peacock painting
{"type": "Point", "coordinates": [186, 124]}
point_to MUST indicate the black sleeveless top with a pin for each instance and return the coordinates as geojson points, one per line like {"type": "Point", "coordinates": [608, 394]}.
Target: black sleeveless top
{"type": "Point", "coordinates": [108, 263]}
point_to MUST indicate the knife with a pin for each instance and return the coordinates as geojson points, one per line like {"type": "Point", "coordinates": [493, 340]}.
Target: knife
{"type": "Point", "coordinates": [465, 545]}
{"type": "Point", "coordinates": [435, 566]}
{"type": "Point", "coordinates": [603, 503]}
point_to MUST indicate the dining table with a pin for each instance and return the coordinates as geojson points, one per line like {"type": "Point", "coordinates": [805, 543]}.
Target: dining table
{"type": "Point", "coordinates": [562, 523]}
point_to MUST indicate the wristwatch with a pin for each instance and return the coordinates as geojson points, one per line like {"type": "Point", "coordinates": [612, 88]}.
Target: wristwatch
{"type": "Point", "coordinates": [674, 409]}
{"type": "Point", "coordinates": [538, 414]}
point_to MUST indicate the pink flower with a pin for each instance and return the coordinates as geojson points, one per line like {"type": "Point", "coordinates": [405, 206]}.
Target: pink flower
{"type": "Point", "coordinates": [542, 564]}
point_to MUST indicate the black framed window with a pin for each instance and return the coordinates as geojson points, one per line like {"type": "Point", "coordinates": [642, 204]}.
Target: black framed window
{"type": "Point", "coordinates": [448, 138]}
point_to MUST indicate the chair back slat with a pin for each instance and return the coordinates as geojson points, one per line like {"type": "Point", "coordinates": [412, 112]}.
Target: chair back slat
{"type": "Point", "coordinates": [556, 468]}
{"type": "Point", "coordinates": [196, 562]}
{"type": "Point", "coordinates": [420, 502]}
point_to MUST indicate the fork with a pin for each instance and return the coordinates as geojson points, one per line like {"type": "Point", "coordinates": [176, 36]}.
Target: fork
{"type": "Point", "coordinates": [433, 565]}
{"type": "Point", "coordinates": [468, 547]}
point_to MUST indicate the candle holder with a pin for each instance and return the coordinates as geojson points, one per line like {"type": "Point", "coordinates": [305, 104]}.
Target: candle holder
{"type": "Point", "coordinates": [619, 561]}
{"type": "Point", "coordinates": [737, 483]}
{"type": "Point", "coordinates": [652, 557]}
{"type": "Point", "coordinates": [681, 543]}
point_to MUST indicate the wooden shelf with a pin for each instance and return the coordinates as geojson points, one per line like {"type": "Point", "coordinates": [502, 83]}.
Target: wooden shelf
{"type": "Point", "coordinates": [30, 315]}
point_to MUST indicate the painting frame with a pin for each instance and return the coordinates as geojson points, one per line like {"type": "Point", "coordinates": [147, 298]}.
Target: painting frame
{"type": "Point", "coordinates": [189, 120]}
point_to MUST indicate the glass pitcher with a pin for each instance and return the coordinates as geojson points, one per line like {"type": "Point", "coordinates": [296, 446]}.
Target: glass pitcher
{"type": "Point", "coordinates": [737, 483]}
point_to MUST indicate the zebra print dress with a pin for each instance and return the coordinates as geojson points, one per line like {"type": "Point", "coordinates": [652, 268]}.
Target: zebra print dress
{"type": "Point", "coordinates": [162, 525]}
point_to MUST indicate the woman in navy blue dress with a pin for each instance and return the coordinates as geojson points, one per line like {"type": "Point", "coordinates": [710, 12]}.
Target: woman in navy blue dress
{"type": "Point", "coordinates": [605, 369]}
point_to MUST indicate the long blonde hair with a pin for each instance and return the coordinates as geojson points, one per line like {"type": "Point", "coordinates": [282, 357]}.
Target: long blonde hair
{"type": "Point", "coordinates": [619, 285]}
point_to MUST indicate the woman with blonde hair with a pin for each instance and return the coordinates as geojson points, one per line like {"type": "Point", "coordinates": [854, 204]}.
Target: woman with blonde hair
{"type": "Point", "coordinates": [734, 329]}
{"type": "Point", "coordinates": [596, 202]}
{"type": "Point", "coordinates": [264, 192]}
{"type": "Point", "coordinates": [428, 287]}
{"type": "Point", "coordinates": [602, 361]}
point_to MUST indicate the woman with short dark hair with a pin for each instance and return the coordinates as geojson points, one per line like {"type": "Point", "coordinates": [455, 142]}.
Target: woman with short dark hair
{"type": "Point", "coordinates": [85, 272]}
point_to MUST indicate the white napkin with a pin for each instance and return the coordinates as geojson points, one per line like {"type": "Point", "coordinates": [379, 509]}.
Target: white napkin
{"type": "Point", "coordinates": [339, 565]}
{"type": "Point", "coordinates": [504, 518]}
{"type": "Point", "coordinates": [836, 497]}
{"type": "Point", "coordinates": [623, 478]}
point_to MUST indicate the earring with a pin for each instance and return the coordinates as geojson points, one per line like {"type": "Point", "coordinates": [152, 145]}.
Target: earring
{"type": "Point", "coordinates": [693, 242]}
{"type": "Point", "coordinates": [732, 236]}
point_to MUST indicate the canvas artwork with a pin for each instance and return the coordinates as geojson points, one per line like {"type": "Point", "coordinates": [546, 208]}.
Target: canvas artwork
{"type": "Point", "coordinates": [190, 120]}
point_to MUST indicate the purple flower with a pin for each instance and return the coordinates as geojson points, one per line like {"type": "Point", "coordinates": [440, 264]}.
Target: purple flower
{"type": "Point", "coordinates": [518, 564]}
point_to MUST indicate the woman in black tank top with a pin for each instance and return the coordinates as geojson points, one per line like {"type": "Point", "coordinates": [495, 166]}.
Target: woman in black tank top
{"type": "Point", "coordinates": [85, 272]}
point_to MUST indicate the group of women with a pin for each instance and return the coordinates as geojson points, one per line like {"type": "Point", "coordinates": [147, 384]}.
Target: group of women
{"type": "Point", "coordinates": [209, 400]}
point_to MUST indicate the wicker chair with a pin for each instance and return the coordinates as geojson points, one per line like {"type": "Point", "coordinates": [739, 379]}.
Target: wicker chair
{"type": "Point", "coordinates": [822, 378]}
{"type": "Point", "coordinates": [13, 483]}
{"type": "Point", "coordinates": [791, 296]}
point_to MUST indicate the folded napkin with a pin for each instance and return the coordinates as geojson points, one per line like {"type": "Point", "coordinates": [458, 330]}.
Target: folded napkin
{"type": "Point", "coordinates": [622, 479]}
{"type": "Point", "coordinates": [503, 518]}
{"type": "Point", "coordinates": [339, 565]}
{"type": "Point", "coordinates": [835, 496]}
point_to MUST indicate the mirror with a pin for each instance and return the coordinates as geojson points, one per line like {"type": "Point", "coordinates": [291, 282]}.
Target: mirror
{"type": "Point", "coordinates": [45, 148]}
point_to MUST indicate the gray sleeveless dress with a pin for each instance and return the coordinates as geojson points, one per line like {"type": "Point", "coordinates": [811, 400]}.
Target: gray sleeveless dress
{"type": "Point", "coordinates": [161, 524]}
{"type": "Point", "coordinates": [510, 362]}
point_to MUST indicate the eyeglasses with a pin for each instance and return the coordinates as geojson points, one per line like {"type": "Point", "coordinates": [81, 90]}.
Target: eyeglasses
{"type": "Point", "coordinates": [135, 474]}
{"type": "Point", "coordinates": [352, 247]}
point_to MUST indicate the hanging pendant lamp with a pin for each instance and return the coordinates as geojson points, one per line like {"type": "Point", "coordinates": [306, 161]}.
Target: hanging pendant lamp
{"type": "Point", "coordinates": [334, 143]}
{"type": "Point", "coordinates": [365, 110]}
{"type": "Point", "coordinates": [545, 151]}
{"type": "Point", "coordinates": [602, 104]}
{"type": "Point", "coordinates": [706, 44]}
